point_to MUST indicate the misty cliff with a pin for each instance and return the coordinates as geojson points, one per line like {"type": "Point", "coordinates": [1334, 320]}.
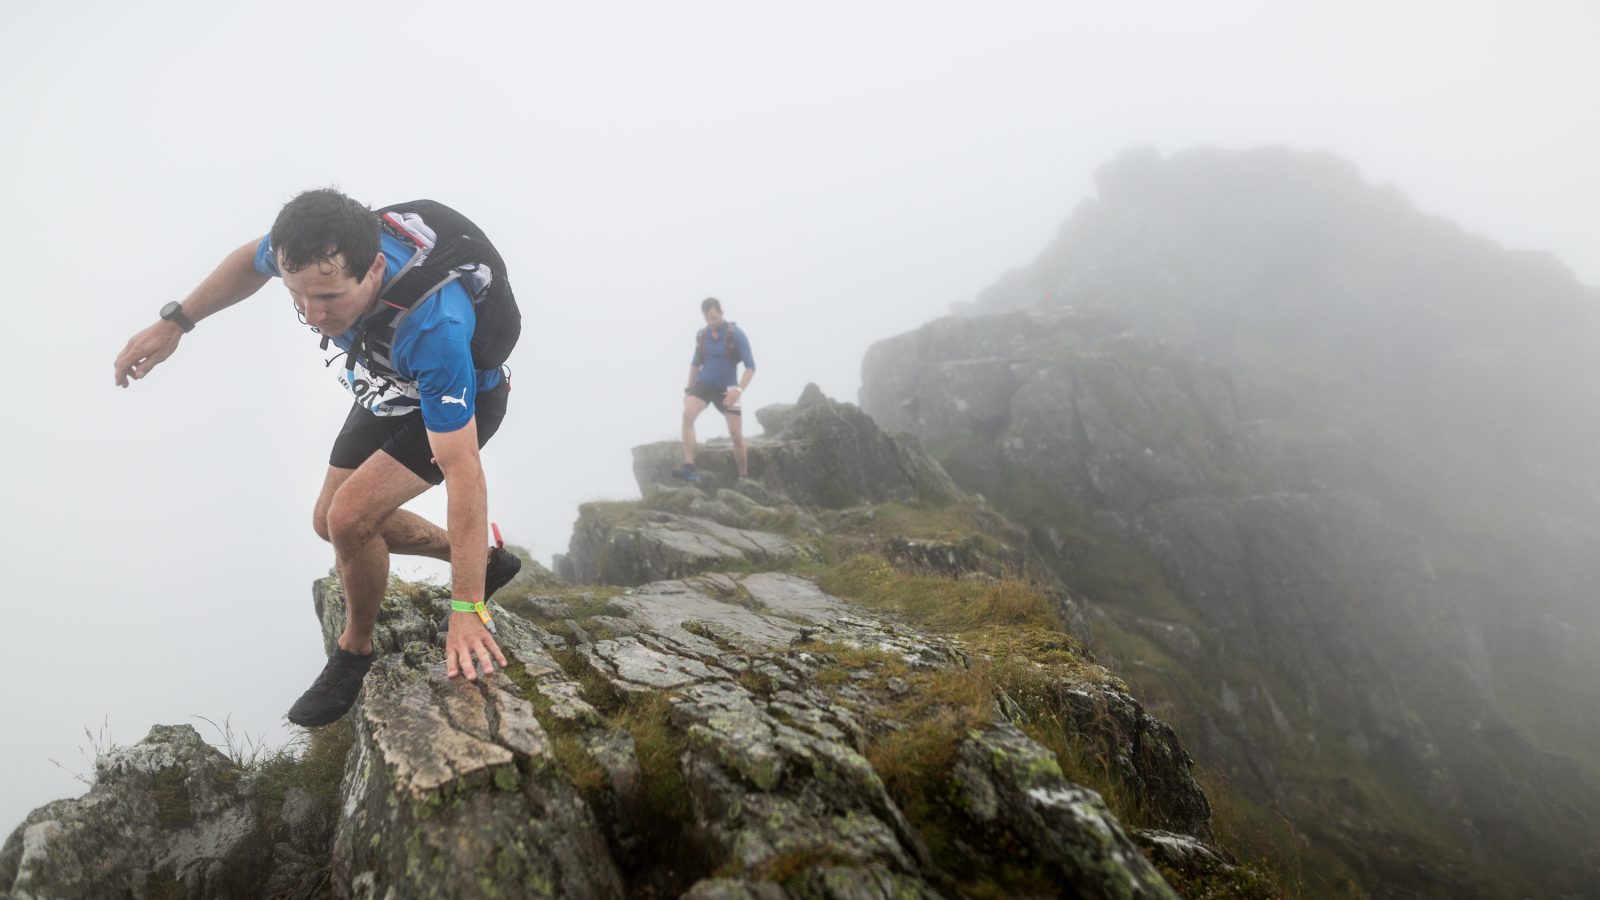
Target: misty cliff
{"type": "Point", "coordinates": [1323, 468]}
{"type": "Point", "coordinates": [843, 677]}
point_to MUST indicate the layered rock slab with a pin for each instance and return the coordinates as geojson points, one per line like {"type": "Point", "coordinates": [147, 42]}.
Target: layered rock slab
{"type": "Point", "coordinates": [452, 791]}
{"type": "Point", "coordinates": [772, 696]}
{"type": "Point", "coordinates": [635, 547]}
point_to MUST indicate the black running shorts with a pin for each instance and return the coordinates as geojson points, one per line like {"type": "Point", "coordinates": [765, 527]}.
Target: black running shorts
{"type": "Point", "coordinates": [405, 437]}
{"type": "Point", "coordinates": [713, 395]}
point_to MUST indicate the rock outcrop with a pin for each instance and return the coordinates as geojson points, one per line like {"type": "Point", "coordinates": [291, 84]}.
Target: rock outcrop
{"type": "Point", "coordinates": [1259, 413]}
{"type": "Point", "coordinates": [458, 789]}
{"type": "Point", "coordinates": [824, 454]}
{"type": "Point", "coordinates": [633, 547]}
{"type": "Point", "coordinates": [168, 816]}
{"type": "Point", "coordinates": [674, 728]}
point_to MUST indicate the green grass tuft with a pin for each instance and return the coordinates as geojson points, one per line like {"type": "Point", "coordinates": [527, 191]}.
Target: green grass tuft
{"type": "Point", "coordinates": [318, 770]}
{"type": "Point", "coordinates": [944, 604]}
{"type": "Point", "coordinates": [173, 807]}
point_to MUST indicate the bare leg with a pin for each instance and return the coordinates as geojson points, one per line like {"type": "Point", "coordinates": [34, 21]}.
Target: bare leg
{"type": "Point", "coordinates": [692, 408]}
{"type": "Point", "coordinates": [409, 534]}
{"type": "Point", "coordinates": [356, 513]}
{"type": "Point", "coordinates": [736, 431]}
{"type": "Point", "coordinates": [404, 532]}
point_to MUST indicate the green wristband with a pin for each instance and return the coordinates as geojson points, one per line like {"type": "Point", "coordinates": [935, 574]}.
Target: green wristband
{"type": "Point", "coordinates": [463, 606]}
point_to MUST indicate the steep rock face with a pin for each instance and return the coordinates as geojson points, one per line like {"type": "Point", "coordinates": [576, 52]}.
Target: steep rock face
{"type": "Point", "coordinates": [1240, 401]}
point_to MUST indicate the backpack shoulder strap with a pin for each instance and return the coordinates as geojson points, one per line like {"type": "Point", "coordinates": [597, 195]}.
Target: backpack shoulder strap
{"type": "Point", "coordinates": [460, 247]}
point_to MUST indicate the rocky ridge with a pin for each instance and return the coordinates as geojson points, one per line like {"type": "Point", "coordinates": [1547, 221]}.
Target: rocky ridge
{"type": "Point", "coordinates": [1320, 467]}
{"type": "Point", "coordinates": [713, 723]}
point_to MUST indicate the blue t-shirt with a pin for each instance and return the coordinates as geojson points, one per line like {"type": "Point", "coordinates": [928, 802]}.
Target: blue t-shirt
{"type": "Point", "coordinates": [432, 353]}
{"type": "Point", "coordinates": [717, 368]}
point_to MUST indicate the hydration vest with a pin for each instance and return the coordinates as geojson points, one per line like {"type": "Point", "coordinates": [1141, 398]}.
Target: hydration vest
{"type": "Point", "coordinates": [459, 250]}
{"type": "Point", "coordinates": [732, 348]}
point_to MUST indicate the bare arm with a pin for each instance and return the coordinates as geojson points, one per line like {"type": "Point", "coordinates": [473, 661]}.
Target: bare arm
{"type": "Point", "coordinates": [235, 279]}
{"type": "Point", "coordinates": [693, 372]}
{"type": "Point", "coordinates": [749, 367]}
{"type": "Point", "coordinates": [744, 382]}
{"type": "Point", "coordinates": [467, 505]}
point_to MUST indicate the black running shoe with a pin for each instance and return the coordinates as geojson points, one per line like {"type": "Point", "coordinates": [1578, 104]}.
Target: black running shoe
{"type": "Point", "coordinates": [503, 566]}
{"type": "Point", "coordinates": [334, 691]}
{"type": "Point", "coordinates": [686, 472]}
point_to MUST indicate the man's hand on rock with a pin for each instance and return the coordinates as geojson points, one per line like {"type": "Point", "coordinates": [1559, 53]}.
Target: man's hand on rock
{"type": "Point", "coordinates": [469, 646]}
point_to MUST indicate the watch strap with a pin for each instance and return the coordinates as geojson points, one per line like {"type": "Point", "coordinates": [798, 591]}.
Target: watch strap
{"type": "Point", "coordinates": [174, 313]}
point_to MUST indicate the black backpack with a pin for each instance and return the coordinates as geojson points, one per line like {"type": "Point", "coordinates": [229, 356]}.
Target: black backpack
{"type": "Point", "coordinates": [459, 244]}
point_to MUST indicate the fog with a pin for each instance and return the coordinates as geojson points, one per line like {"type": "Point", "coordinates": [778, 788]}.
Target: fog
{"type": "Point", "coordinates": [835, 173]}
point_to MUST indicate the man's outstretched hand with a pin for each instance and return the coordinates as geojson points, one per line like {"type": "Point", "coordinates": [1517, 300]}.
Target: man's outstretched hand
{"type": "Point", "coordinates": [470, 646]}
{"type": "Point", "coordinates": [146, 350]}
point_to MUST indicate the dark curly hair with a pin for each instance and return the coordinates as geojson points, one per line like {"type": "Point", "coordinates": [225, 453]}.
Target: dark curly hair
{"type": "Point", "coordinates": [710, 303]}
{"type": "Point", "coordinates": [322, 224]}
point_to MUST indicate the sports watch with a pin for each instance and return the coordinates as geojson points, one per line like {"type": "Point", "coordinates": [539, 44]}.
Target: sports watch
{"type": "Point", "coordinates": [173, 312]}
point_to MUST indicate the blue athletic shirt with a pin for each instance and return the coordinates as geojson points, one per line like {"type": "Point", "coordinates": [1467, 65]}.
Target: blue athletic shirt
{"type": "Point", "coordinates": [711, 355]}
{"type": "Point", "coordinates": [432, 353]}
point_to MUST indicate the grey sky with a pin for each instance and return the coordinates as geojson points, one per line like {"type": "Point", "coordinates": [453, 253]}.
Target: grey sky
{"type": "Point", "coordinates": [836, 173]}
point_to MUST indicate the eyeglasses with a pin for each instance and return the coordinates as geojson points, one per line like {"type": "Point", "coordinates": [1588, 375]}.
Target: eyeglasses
{"type": "Point", "coordinates": [301, 315]}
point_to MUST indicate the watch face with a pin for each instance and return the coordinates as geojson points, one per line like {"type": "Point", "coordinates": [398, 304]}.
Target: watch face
{"type": "Point", "coordinates": [173, 312]}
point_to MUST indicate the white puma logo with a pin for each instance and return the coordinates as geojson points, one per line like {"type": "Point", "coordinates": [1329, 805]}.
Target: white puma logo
{"type": "Point", "coordinates": [449, 399]}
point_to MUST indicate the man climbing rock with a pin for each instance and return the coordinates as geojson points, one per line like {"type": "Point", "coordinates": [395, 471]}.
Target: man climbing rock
{"type": "Point", "coordinates": [714, 380]}
{"type": "Point", "coordinates": [419, 301]}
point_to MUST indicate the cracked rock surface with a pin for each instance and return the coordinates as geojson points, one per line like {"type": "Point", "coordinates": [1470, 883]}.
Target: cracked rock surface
{"type": "Point", "coordinates": [638, 548]}
{"type": "Point", "coordinates": [768, 732]}
{"type": "Point", "coordinates": [704, 737]}
{"type": "Point", "coordinates": [451, 791]}
{"type": "Point", "coordinates": [686, 723]}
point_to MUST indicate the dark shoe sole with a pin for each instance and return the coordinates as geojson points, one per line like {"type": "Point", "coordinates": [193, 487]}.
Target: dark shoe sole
{"type": "Point", "coordinates": [317, 721]}
{"type": "Point", "coordinates": [321, 704]}
{"type": "Point", "coordinates": [508, 563]}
